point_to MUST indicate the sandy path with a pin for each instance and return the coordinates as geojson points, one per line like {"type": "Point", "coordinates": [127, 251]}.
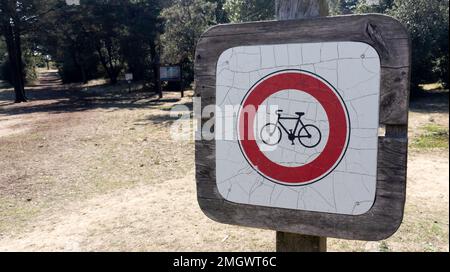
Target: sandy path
{"type": "Point", "coordinates": [165, 217]}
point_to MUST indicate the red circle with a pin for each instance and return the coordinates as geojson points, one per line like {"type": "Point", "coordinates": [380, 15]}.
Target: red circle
{"type": "Point", "coordinates": [337, 119]}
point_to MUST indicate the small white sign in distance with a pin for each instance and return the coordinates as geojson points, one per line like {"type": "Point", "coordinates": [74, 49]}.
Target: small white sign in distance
{"type": "Point", "coordinates": [129, 77]}
{"type": "Point", "coordinates": [73, 2]}
{"type": "Point", "coordinates": [170, 73]}
{"type": "Point", "coordinates": [320, 152]}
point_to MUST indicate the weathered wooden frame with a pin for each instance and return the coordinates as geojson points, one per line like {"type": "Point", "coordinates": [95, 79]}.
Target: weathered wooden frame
{"type": "Point", "coordinates": [391, 40]}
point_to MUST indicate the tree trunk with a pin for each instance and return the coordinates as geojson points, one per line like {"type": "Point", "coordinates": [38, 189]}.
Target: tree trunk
{"type": "Point", "coordinates": [21, 70]}
{"type": "Point", "coordinates": [104, 62]}
{"type": "Point", "coordinates": [155, 67]}
{"type": "Point", "coordinates": [115, 70]}
{"type": "Point", "coordinates": [79, 65]}
{"type": "Point", "coordinates": [300, 9]}
{"type": "Point", "coordinates": [113, 79]}
{"type": "Point", "coordinates": [288, 10]}
{"type": "Point", "coordinates": [83, 74]}
{"type": "Point", "coordinates": [12, 38]}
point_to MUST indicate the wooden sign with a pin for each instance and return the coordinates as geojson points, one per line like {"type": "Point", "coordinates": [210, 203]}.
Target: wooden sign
{"type": "Point", "coordinates": [310, 125]}
{"type": "Point", "coordinates": [73, 2]}
{"type": "Point", "coordinates": [170, 73]}
{"type": "Point", "coordinates": [129, 77]}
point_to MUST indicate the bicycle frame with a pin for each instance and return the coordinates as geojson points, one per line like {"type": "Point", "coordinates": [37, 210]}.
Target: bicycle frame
{"type": "Point", "coordinates": [293, 134]}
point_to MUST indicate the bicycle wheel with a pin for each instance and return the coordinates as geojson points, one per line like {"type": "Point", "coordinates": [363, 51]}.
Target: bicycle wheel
{"type": "Point", "coordinates": [270, 134]}
{"type": "Point", "coordinates": [309, 136]}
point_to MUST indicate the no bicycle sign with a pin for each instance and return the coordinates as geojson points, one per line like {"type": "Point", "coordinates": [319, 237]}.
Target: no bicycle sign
{"type": "Point", "coordinates": [299, 109]}
{"type": "Point", "coordinates": [309, 151]}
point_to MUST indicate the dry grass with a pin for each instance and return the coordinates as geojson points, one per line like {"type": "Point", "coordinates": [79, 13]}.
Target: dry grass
{"type": "Point", "coordinates": [433, 137]}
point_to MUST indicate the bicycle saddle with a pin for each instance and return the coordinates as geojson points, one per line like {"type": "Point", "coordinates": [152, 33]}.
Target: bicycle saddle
{"type": "Point", "coordinates": [300, 113]}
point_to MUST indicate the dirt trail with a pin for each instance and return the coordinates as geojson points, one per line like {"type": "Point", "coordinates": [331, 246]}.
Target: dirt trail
{"type": "Point", "coordinates": [150, 218]}
{"type": "Point", "coordinates": [100, 173]}
{"type": "Point", "coordinates": [15, 118]}
{"type": "Point", "coordinates": [164, 218]}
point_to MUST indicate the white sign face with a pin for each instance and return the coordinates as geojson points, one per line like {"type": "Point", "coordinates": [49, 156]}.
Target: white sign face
{"type": "Point", "coordinates": [128, 77]}
{"type": "Point", "coordinates": [168, 73]}
{"type": "Point", "coordinates": [73, 2]}
{"type": "Point", "coordinates": [304, 126]}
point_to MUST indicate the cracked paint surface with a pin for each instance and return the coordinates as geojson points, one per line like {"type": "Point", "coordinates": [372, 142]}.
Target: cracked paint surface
{"type": "Point", "coordinates": [353, 69]}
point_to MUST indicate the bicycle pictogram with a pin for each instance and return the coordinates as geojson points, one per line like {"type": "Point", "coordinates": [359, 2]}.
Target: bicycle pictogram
{"type": "Point", "coordinates": [308, 135]}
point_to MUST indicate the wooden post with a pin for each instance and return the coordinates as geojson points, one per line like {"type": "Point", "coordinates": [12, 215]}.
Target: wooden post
{"type": "Point", "coordinates": [300, 9]}
{"type": "Point", "coordinates": [291, 242]}
{"type": "Point", "coordinates": [158, 80]}
{"type": "Point", "coordinates": [288, 10]}
{"type": "Point", "coordinates": [181, 88]}
{"type": "Point", "coordinates": [181, 80]}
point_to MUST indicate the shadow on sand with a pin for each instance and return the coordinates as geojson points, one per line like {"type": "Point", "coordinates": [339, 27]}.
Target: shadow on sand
{"type": "Point", "coordinates": [60, 98]}
{"type": "Point", "coordinates": [430, 102]}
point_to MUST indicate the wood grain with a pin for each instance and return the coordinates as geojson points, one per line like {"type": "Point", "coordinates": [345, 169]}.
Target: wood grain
{"type": "Point", "coordinates": [292, 242]}
{"type": "Point", "coordinates": [300, 9]}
